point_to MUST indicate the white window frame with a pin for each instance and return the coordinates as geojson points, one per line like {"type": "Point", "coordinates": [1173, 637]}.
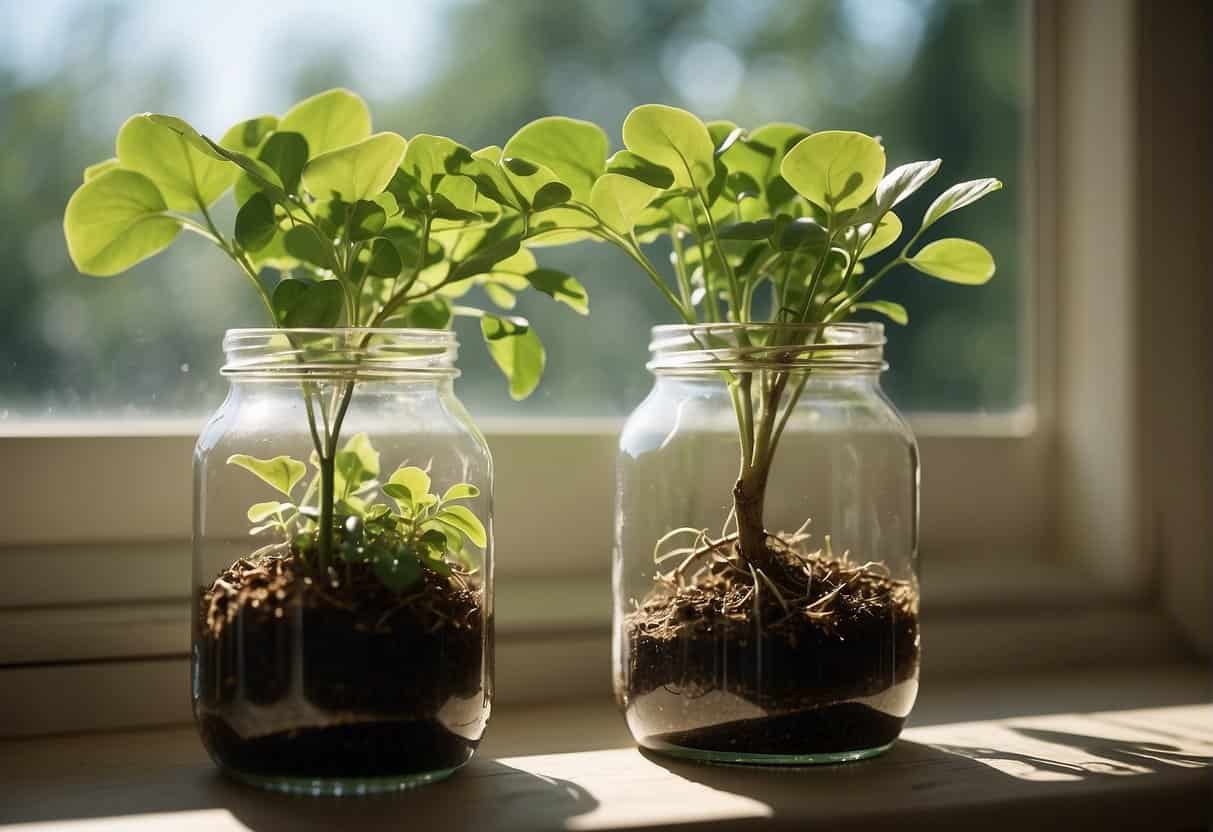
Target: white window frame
{"type": "Point", "coordinates": [1018, 511]}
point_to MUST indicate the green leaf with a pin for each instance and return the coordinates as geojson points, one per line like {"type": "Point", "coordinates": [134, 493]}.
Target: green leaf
{"type": "Point", "coordinates": [281, 473]}
{"type": "Point", "coordinates": [500, 296]}
{"type": "Point", "coordinates": [535, 185]}
{"type": "Point", "coordinates": [248, 136]}
{"type": "Point", "coordinates": [415, 480]}
{"type": "Point", "coordinates": [517, 350]}
{"type": "Point", "coordinates": [461, 491]}
{"type": "Point", "coordinates": [429, 313]}
{"type": "Point", "coordinates": [307, 304]}
{"type": "Point", "coordinates": [956, 261]}
{"type": "Point", "coordinates": [958, 196]}
{"type": "Point", "coordinates": [885, 235]}
{"type": "Point", "coordinates": [902, 181]}
{"type": "Point", "coordinates": [356, 463]}
{"type": "Point", "coordinates": [303, 243]}
{"type": "Point", "coordinates": [366, 220]}
{"type": "Point", "coordinates": [673, 138]}
{"type": "Point", "coordinates": [334, 118]}
{"type": "Point", "coordinates": [359, 171]}
{"type": "Point", "coordinates": [93, 171]}
{"type": "Point", "coordinates": [627, 163]}
{"type": "Point", "coordinates": [399, 493]}
{"type": "Point", "coordinates": [575, 151]}
{"type": "Point", "coordinates": [484, 259]}
{"type": "Point", "coordinates": [757, 230]}
{"type": "Point", "coordinates": [724, 135]}
{"type": "Point", "coordinates": [619, 200]}
{"type": "Point", "coordinates": [185, 176]}
{"type": "Point", "coordinates": [562, 287]}
{"type": "Point", "coordinates": [429, 159]}
{"type": "Point", "coordinates": [549, 195]}
{"type": "Point", "coordinates": [260, 512]}
{"type": "Point", "coordinates": [115, 220]}
{"type": "Point", "coordinates": [262, 174]}
{"type": "Point", "coordinates": [804, 233]}
{"type": "Point", "coordinates": [895, 312]}
{"type": "Point", "coordinates": [255, 223]}
{"type": "Point", "coordinates": [397, 570]}
{"type": "Point", "coordinates": [286, 154]}
{"type": "Point", "coordinates": [384, 260]}
{"type": "Point", "coordinates": [835, 169]}
{"type": "Point", "coordinates": [463, 519]}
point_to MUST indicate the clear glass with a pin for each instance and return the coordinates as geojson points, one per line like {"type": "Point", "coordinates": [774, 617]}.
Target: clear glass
{"type": "Point", "coordinates": [364, 665]}
{"type": "Point", "coordinates": [808, 654]}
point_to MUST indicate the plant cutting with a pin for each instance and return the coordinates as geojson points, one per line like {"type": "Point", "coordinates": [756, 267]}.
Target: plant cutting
{"type": "Point", "coordinates": [346, 647]}
{"type": "Point", "coordinates": [741, 640]}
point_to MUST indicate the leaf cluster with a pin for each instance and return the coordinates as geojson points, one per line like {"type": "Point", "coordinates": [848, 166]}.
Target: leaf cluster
{"type": "Point", "coordinates": [776, 209]}
{"type": "Point", "coordinates": [365, 229]}
{"type": "Point", "coordinates": [410, 530]}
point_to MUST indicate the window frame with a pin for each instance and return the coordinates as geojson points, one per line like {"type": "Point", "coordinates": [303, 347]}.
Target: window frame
{"type": "Point", "coordinates": [1006, 500]}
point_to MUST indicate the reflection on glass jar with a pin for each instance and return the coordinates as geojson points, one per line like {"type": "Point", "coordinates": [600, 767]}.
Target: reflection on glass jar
{"type": "Point", "coordinates": [767, 611]}
{"type": "Point", "coordinates": [343, 622]}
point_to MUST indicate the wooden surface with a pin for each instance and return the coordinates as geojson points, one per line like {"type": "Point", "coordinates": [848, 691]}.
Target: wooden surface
{"type": "Point", "coordinates": [1114, 770]}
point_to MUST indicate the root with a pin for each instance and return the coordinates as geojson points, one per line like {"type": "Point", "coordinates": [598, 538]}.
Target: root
{"type": "Point", "coordinates": [798, 584]}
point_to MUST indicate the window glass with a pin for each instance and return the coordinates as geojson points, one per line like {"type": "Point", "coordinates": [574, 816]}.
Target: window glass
{"type": "Point", "coordinates": [932, 77]}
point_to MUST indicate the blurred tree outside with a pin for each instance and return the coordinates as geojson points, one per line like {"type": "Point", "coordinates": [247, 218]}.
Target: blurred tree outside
{"type": "Point", "coordinates": [942, 78]}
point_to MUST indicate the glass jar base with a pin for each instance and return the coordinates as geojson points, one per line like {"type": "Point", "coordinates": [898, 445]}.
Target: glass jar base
{"type": "Point", "coordinates": [734, 758]}
{"type": "Point", "coordinates": [340, 786]}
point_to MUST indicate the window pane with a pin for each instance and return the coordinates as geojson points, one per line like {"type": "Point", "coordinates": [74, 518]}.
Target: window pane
{"type": "Point", "coordinates": [944, 78]}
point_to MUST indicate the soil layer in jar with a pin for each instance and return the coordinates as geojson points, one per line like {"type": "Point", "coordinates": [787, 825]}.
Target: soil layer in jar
{"type": "Point", "coordinates": [301, 676]}
{"type": "Point", "coordinates": [820, 657]}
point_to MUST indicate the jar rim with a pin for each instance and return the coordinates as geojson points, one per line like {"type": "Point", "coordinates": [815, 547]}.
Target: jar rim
{"type": "Point", "coordinates": [695, 349]}
{"type": "Point", "coordinates": [349, 353]}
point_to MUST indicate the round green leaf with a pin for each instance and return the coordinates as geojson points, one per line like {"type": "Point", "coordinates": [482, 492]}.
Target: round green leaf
{"type": "Point", "coordinates": [282, 472]}
{"type": "Point", "coordinates": [115, 220]}
{"type": "Point", "coordinates": [430, 159]}
{"type": "Point", "coordinates": [885, 235]}
{"type": "Point", "coordinates": [255, 223]}
{"type": "Point", "coordinates": [955, 260]}
{"type": "Point", "coordinates": [93, 171]}
{"type": "Point", "coordinates": [460, 491]}
{"type": "Point", "coordinates": [303, 243]}
{"type": "Point", "coordinates": [627, 163]}
{"type": "Point", "coordinates": [358, 171]}
{"type": "Point", "coordinates": [286, 154]}
{"type": "Point", "coordinates": [330, 120]}
{"type": "Point", "coordinates": [517, 350]}
{"type": "Point", "coordinates": [619, 200]}
{"type": "Point", "coordinates": [248, 136]}
{"type": "Point", "coordinates": [185, 176]}
{"type": "Point", "coordinates": [675, 139]}
{"type": "Point", "coordinates": [414, 479]}
{"type": "Point", "coordinates": [366, 220]}
{"type": "Point", "coordinates": [835, 169]}
{"type": "Point", "coordinates": [306, 304]}
{"type": "Point", "coordinates": [575, 151]}
{"type": "Point", "coordinates": [895, 312]}
{"type": "Point", "coordinates": [561, 287]}
{"type": "Point", "coordinates": [463, 519]}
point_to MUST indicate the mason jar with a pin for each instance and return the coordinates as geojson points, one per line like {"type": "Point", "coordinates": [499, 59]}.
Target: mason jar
{"type": "Point", "coordinates": [765, 560]}
{"type": "Point", "coordinates": [343, 572]}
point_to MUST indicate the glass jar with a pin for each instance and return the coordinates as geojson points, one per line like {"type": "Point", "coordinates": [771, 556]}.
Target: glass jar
{"type": "Point", "coordinates": [359, 660]}
{"type": "Point", "coordinates": [766, 595]}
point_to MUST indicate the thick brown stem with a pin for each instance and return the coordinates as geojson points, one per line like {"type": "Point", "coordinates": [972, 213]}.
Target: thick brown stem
{"type": "Point", "coordinates": [749, 496]}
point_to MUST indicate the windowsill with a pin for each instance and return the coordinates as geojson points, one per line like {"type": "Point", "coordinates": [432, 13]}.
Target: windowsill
{"type": "Point", "coordinates": [1092, 762]}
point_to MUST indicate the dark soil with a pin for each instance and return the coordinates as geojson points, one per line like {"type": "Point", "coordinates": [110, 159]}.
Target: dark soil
{"type": "Point", "coordinates": [820, 675]}
{"type": "Point", "coordinates": [297, 675]}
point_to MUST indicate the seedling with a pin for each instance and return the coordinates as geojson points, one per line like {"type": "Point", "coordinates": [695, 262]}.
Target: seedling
{"type": "Point", "coordinates": [771, 225]}
{"type": "Point", "coordinates": [424, 529]}
{"type": "Point", "coordinates": [364, 230]}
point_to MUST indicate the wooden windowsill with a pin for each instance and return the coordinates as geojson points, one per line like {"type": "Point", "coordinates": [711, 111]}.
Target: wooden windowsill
{"type": "Point", "coordinates": [572, 767]}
